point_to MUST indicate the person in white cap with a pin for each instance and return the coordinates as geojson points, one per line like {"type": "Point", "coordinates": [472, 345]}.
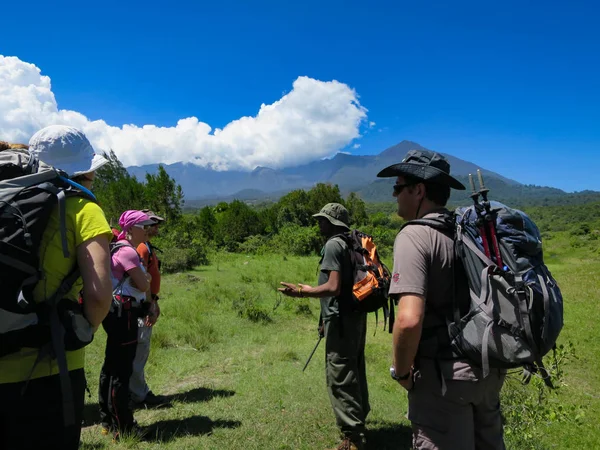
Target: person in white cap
{"type": "Point", "coordinates": [32, 407]}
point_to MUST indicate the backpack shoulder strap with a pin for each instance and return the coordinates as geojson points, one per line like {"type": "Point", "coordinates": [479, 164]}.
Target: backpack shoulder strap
{"type": "Point", "coordinates": [445, 224]}
{"type": "Point", "coordinates": [114, 247]}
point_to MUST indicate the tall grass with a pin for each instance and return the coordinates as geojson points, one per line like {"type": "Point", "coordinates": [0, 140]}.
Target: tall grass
{"type": "Point", "coordinates": [230, 350]}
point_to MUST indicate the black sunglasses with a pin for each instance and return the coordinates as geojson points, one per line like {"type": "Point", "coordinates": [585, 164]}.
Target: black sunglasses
{"type": "Point", "coordinates": [398, 188]}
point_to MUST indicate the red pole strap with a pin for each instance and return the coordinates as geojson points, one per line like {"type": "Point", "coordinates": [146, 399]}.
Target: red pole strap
{"type": "Point", "coordinates": [484, 241]}
{"type": "Point", "coordinates": [494, 239]}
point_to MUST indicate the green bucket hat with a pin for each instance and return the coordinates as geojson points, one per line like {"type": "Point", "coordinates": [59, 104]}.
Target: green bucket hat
{"type": "Point", "coordinates": [336, 214]}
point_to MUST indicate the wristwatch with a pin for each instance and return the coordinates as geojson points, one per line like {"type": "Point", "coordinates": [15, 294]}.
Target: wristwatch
{"type": "Point", "coordinates": [398, 377]}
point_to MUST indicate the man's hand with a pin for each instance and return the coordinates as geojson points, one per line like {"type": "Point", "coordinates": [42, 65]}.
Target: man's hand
{"type": "Point", "coordinates": [408, 383]}
{"type": "Point", "coordinates": [151, 318]}
{"type": "Point", "coordinates": [292, 290]}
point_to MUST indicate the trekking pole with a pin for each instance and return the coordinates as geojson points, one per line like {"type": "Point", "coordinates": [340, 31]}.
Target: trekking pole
{"type": "Point", "coordinates": [312, 353]}
{"type": "Point", "coordinates": [480, 217]}
{"type": "Point", "coordinates": [490, 220]}
{"type": "Point", "coordinates": [474, 194]}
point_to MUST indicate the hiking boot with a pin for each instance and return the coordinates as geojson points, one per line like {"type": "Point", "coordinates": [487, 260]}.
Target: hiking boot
{"type": "Point", "coordinates": [348, 444]}
{"type": "Point", "coordinates": [155, 401]}
{"type": "Point", "coordinates": [107, 429]}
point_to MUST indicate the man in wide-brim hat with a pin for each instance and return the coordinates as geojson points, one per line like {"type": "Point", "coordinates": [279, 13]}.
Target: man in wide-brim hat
{"type": "Point", "coordinates": [450, 404]}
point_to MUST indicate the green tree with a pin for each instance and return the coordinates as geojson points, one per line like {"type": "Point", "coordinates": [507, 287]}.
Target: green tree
{"type": "Point", "coordinates": [163, 195]}
{"type": "Point", "coordinates": [117, 190]}
{"type": "Point", "coordinates": [207, 223]}
{"type": "Point", "coordinates": [237, 223]}
{"type": "Point", "coordinates": [293, 208]}
{"type": "Point", "coordinates": [322, 194]}
{"type": "Point", "coordinates": [356, 209]}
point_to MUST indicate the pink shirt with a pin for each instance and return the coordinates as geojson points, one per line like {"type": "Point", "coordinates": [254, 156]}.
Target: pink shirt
{"type": "Point", "coordinates": [124, 259]}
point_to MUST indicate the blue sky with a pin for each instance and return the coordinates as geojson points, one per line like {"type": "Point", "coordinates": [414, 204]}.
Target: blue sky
{"type": "Point", "coordinates": [512, 86]}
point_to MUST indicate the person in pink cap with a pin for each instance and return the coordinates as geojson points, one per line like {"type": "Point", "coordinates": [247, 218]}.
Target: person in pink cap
{"type": "Point", "coordinates": [131, 284]}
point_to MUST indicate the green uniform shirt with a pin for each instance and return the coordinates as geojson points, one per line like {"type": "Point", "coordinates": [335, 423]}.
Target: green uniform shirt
{"type": "Point", "coordinates": [335, 256]}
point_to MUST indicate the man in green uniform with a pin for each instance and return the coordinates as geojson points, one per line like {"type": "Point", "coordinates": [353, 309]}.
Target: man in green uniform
{"type": "Point", "coordinates": [344, 329]}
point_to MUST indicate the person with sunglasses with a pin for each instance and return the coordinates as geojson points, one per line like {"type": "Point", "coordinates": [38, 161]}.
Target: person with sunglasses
{"type": "Point", "coordinates": [450, 404]}
{"type": "Point", "coordinates": [141, 394]}
{"type": "Point", "coordinates": [131, 284]}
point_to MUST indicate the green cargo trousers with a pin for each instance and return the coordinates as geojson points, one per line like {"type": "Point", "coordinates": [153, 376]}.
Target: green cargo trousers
{"type": "Point", "coordinates": [345, 371]}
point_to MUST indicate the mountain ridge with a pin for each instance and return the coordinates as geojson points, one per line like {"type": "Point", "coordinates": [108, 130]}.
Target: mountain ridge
{"type": "Point", "coordinates": [350, 172]}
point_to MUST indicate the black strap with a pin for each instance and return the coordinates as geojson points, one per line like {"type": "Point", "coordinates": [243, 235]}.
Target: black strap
{"type": "Point", "coordinates": [12, 262]}
{"type": "Point", "coordinates": [524, 310]}
{"type": "Point", "coordinates": [56, 348]}
{"type": "Point", "coordinates": [57, 333]}
{"type": "Point", "coordinates": [444, 224]}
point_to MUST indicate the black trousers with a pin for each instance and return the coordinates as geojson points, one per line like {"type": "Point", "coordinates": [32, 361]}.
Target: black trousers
{"type": "Point", "coordinates": [33, 419]}
{"type": "Point", "coordinates": [115, 409]}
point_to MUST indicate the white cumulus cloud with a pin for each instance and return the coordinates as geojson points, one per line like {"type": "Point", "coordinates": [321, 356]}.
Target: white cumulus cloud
{"type": "Point", "coordinates": [314, 119]}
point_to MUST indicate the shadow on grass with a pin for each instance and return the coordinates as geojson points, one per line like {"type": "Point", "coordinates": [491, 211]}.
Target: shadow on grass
{"type": "Point", "coordinates": [91, 414]}
{"type": "Point", "coordinates": [91, 411]}
{"type": "Point", "coordinates": [383, 435]}
{"type": "Point", "coordinates": [199, 394]}
{"type": "Point", "coordinates": [168, 430]}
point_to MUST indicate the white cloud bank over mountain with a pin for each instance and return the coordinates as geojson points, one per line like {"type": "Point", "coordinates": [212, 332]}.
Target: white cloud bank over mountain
{"type": "Point", "coordinates": [315, 119]}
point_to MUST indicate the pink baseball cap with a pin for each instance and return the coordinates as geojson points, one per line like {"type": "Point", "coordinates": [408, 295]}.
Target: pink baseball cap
{"type": "Point", "coordinates": [133, 217]}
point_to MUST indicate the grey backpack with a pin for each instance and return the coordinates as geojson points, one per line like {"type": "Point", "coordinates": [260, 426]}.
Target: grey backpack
{"type": "Point", "coordinates": [514, 312]}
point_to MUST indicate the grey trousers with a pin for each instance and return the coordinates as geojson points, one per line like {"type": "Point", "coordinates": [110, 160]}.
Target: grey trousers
{"type": "Point", "coordinates": [467, 417]}
{"type": "Point", "coordinates": [345, 371]}
{"type": "Point", "coordinates": [138, 387]}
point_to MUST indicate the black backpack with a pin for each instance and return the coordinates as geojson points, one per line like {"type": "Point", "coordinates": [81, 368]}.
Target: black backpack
{"type": "Point", "coordinates": [152, 258]}
{"type": "Point", "coordinates": [512, 313]}
{"type": "Point", "coordinates": [29, 192]}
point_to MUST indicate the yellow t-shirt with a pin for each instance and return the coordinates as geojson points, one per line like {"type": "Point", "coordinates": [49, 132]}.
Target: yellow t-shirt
{"type": "Point", "coordinates": [85, 220]}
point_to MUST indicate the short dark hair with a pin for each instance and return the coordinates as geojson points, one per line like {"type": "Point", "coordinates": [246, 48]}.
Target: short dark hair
{"type": "Point", "coordinates": [436, 193]}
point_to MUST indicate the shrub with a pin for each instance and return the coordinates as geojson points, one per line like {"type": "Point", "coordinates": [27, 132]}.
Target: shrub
{"type": "Point", "coordinates": [527, 409]}
{"type": "Point", "coordinates": [182, 247]}
{"type": "Point", "coordinates": [178, 260]}
{"type": "Point", "coordinates": [581, 229]}
{"type": "Point", "coordinates": [384, 238]}
{"type": "Point", "coordinates": [303, 309]}
{"type": "Point", "coordinates": [256, 245]}
{"type": "Point", "coordinates": [246, 308]}
{"type": "Point", "coordinates": [297, 240]}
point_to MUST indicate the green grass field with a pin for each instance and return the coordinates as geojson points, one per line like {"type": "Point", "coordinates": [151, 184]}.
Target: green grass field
{"type": "Point", "coordinates": [229, 351]}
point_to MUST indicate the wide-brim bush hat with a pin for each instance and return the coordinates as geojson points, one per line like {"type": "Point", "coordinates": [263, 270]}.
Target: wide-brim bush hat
{"type": "Point", "coordinates": [336, 214]}
{"type": "Point", "coordinates": [425, 165]}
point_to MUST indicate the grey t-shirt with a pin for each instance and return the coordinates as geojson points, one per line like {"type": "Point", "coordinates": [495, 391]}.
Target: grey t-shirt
{"type": "Point", "coordinates": [334, 256]}
{"type": "Point", "coordinates": [423, 265]}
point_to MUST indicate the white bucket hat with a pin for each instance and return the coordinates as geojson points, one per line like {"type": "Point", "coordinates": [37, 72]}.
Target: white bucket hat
{"type": "Point", "coordinates": [66, 148]}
